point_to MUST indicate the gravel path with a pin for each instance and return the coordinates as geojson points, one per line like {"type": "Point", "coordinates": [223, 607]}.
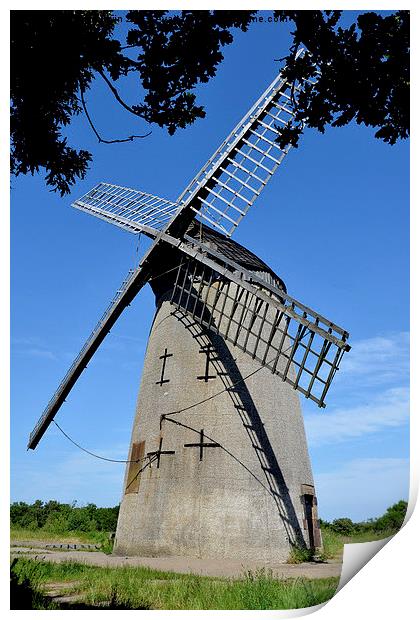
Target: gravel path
{"type": "Point", "coordinates": [213, 568]}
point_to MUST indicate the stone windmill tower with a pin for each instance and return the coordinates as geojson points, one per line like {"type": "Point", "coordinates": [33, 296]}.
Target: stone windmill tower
{"type": "Point", "coordinates": [218, 463]}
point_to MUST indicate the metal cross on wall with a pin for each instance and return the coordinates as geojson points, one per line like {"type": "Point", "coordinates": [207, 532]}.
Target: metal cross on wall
{"type": "Point", "coordinates": [159, 452]}
{"type": "Point", "coordinates": [202, 444]}
{"type": "Point", "coordinates": [164, 357]}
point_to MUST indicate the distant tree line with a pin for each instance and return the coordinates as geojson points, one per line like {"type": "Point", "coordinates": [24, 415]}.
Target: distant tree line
{"type": "Point", "coordinates": [392, 520]}
{"type": "Point", "coordinates": [58, 518]}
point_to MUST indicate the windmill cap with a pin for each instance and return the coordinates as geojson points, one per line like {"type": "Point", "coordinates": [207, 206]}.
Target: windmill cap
{"type": "Point", "coordinates": [236, 252]}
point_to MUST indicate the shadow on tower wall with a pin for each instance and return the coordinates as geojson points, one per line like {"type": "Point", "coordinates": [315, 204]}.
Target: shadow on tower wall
{"type": "Point", "coordinates": [225, 366]}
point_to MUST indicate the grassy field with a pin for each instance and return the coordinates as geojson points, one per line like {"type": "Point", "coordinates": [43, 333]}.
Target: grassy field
{"type": "Point", "coordinates": [94, 538]}
{"type": "Point", "coordinates": [17, 533]}
{"type": "Point", "coordinates": [144, 588]}
{"type": "Point", "coordinates": [334, 543]}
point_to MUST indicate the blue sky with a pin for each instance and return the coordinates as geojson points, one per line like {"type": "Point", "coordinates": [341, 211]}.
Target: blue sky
{"type": "Point", "coordinates": [333, 223]}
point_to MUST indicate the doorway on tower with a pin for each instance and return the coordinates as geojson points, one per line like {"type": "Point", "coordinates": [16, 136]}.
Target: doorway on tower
{"type": "Point", "coordinates": [310, 516]}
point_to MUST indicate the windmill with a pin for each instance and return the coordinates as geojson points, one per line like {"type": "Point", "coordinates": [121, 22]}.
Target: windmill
{"type": "Point", "coordinates": [218, 464]}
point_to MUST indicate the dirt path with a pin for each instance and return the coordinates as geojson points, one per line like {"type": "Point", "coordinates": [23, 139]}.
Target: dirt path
{"type": "Point", "coordinates": [212, 568]}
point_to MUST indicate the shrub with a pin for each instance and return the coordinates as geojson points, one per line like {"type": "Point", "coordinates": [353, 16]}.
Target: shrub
{"type": "Point", "coordinates": [56, 523]}
{"type": "Point", "coordinates": [298, 555]}
{"type": "Point", "coordinates": [80, 520]}
{"type": "Point", "coordinates": [343, 526]}
{"type": "Point", "coordinates": [393, 517]}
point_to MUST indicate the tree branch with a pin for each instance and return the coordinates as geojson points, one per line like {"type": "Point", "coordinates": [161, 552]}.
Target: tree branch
{"type": "Point", "coordinates": [117, 96]}
{"type": "Point", "coordinates": [292, 90]}
{"type": "Point", "coordinates": [100, 139]}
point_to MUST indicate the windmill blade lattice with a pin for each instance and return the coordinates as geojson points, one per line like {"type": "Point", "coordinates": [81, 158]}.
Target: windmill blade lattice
{"type": "Point", "coordinates": [287, 337]}
{"type": "Point", "coordinates": [131, 285]}
{"type": "Point", "coordinates": [127, 208]}
{"type": "Point", "coordinates": [229, 183]}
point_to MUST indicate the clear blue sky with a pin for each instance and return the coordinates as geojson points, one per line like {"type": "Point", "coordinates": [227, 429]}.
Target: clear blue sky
{"type": "Point", "coordinates": [333, 223]}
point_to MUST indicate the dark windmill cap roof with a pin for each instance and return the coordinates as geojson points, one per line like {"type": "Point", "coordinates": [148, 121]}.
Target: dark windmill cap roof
{"type": "Point", "coordinates": [236, 252]}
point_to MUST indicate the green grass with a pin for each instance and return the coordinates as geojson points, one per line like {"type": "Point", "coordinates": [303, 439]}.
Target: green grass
{"type": "Point", "coordinates": [334, 543]}
{"type": "Point", "coordinates": [144, 588]}
{"type": "Point", "coordinates": [41, 534]}
{"type": "Point", "coordinates": [93, 538]}
{"type": "Point", "coordinates": [298, 555]}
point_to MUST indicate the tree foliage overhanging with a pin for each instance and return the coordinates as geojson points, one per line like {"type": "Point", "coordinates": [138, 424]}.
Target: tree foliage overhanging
{"type": "Point", "coordinates": [56, 55]}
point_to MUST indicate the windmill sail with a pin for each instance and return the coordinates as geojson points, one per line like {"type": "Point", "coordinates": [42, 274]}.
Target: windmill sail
{"type": "Point", "coordinates": [129, 288]}
{"type": "Point", "coordinates": [223, 190]}
{"type": "Point", "coordinates": [127, 208]}
{"type": "Point", "coordinates": [229, 183]}
{"type": "Point", "coordinates": [287, 337]}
